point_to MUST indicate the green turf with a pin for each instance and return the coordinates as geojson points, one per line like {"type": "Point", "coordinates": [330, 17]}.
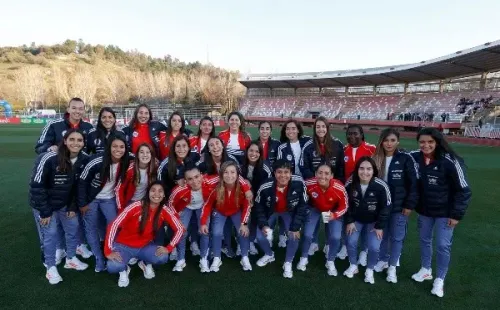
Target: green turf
{"type": "Point", "coordinates": [471, 283]}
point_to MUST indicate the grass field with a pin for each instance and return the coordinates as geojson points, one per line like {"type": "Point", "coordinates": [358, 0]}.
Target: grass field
{"type": "Point", "coordinates": [472, 283]}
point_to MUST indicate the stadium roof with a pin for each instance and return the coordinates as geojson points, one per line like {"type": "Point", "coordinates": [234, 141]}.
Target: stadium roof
{"type": "Point", "coordinates": [473, 61]}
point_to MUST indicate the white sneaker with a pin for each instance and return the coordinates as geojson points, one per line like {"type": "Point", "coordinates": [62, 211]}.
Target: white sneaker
{"type": "Point", "coordinates": [179, 266]}
{"type": "Point", "coordinates": [60, 254]}
{"type": "Point", "coordinates": [123, 280]}
{"type": "Point", "coordinates": [282, 241]}
{"type": "Point", "coordinates": [363, 258]}
{"type": "Point", "coordinates": [342, 254]}
{"type": "Point", "coordinates": [149, 272]}
{"type": "Point", "coordinates": [313, 248]}
{"type": "Point", "coordinates": [53, 275]}
{"type": "Point", "coordinates": [369, 276]}
{"type": "Point", "coordinates": [195, 249]}
{"type": "Point", "coordinates": [391, 275]}
{"type": "Point", "coordinates": [204, 265]}
{"type": "Point", "coordinates": [83, 251]}
{"type": "Point", "coordinates": [302, 265]}
{"type": "Point", "coordinates": [264, 260]}
{"type": "Point", "coordinates": [245, 263]}
{"type": "Point", "coordinates": [238, 250]}
{"type": "Point", "coordinates": [133, 261]}
{"type": "Point", "coordinates": [287, 270]}
{"type": "Point", "coordinates": [253, 249]}
{"type": "Point", "coordinates": [216, 263]}
{"type": "Point", "coordinates": [330, 266]}
{"type": "Point", "coordinates": [173, 255]}
{"type": "Point", "coordinates": [75, 263]}
{"type": "Point", "coordinates": [380, 266]}
{"type": "Point", "coordinates": [351, 271]}
{"type": "Point", "coordinates": [438, 287]}
{"type": "Point", "coordinates": [422, 275]}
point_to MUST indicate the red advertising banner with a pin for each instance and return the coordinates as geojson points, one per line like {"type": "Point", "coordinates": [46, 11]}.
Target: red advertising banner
{"type": "Point", "coordinates": [10, 120]}
{"type": "Point", "coordinates": [217, 123]}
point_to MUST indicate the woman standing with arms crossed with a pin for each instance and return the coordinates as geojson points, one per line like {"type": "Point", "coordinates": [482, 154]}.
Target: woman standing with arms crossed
{"type": "Point", "coordinates": [399, 170]}
{"type": "Point", "coordinates": [206, 130]}
{"type": "Point", "coordinates": [52, 189]}
{"type": "Point", "coordinates": [444, 198]}
{"type": "Point", "coordinates": [143, 129]}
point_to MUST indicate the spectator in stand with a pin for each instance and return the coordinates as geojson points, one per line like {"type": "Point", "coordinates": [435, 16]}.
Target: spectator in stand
{"type": "Point", "coordinates": [143, 129]}
{"type": "Point", "coordinates": [206, 130]}
{"type": "Point", "coordinates": [236, 139]}
{"type": "Point", "coordinates": [176, 125]}
{"type": "Point", "coordinates": [106, 126]}
{"type": "Point", "coordinates": [445, 195]}
{"type": "Point", "coordinates": [53, 132]}
{"type": "Point", "coordinates": [269, 145]}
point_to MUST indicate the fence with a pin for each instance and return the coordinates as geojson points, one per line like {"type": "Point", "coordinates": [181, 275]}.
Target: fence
{"type": "Point", "coordinates": [487, 131]}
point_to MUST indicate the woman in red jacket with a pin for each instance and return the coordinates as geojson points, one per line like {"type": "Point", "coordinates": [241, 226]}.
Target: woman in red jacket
{"type": "Point", "coordinates": [132, 233]}
{"type": "Point", "coordinates": [235, 138]}
{"type": "Point", "coordinates": [140, 173]}
{"type": "Point", "coordinates": [176, 126]}
{"type": "Point", "coordinates": [206, 130]}
{"type": "Point", "coordinates": [227, 201]}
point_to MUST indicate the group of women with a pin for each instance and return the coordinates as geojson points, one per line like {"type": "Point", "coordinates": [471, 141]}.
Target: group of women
{"type": "Point", "coordinates": [139, 193]}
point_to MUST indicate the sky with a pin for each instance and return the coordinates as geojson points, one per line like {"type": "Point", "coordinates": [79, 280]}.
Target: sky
{"type": "Point", "coordinates": [259, 36]}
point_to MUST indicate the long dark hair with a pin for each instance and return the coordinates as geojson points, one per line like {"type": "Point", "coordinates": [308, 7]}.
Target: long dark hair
{"type": "Point", "coordinates": [259, 165]}
{"type": "Point", "coordinates": [379, 156]}
{"type": "Point", "coordinates": [108, 160]}
{"type": "Point", "coordinates": [355, 175]}
{"type": "Point", "coordinates": [172, 158]}
{"type": "Point", "coordinates": [169, 123]}
{"type": "Point", "coordinates": [442, 146]}
{"type": "Point", "coordinates": [242, 120]}
{"type": "Point", "coordinates": [331, 148]}
{"type": "Point", "coordinates": [63, 154]}
{"type": "Point", "coordinates": [145, 202]}
{"type": "Point", "coordinates": [206, 118]}
{"type": "Point", "coordinates": [102, 132]}
{"type": "Point", "coordinates": [358, 127]}
{"type": "Point", "coordinates": [152, 169]}
{"type": "Point", "coordinates": [134, 120]}
{"type": "Point", "coordinates": [265, 122]}
{"type": "Point", "coordinates": [207, 157]}
{"type": "Point", "coordinates": [283, 137]}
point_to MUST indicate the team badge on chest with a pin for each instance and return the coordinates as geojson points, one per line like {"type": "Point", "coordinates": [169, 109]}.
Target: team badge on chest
{"type": "Point", "coordinates": [289, 157]}
{"type": "Point", "coordinates": [135, 134]}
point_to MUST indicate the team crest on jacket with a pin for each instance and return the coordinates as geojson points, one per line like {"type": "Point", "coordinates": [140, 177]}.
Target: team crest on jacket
{"type": "Point", "coordinates": [289, 157]}
{"type": "Point", "coordinates": [98, 175]}
{"type": "Point", "coordinates": [63, 133]}
{"type": "Point", "coordinates": [195, 148]}
{"type": "Point", "coordinates": [315, 195]}
{"type": "Point", "coordinates": [185, 199]}
{"type": "Point", "coordinates": [97, 141]}
{"type": "Point", "coordinates": [354, 193]}
{"type": "Point", "coordinates": [135, 134]}
{"type": "Point", "coordinates": [315, 154]}
{"type": "Point", "coordinates": [346, 158]}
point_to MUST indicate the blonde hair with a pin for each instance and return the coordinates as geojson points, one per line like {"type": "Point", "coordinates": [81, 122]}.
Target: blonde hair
{"type": "Point", "coordinates": [221, 190]}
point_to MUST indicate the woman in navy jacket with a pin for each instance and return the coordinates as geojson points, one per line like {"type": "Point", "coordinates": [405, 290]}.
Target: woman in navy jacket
{"type": "Point", "coordinates": [256, 170]}
{"type": "Point", "coordinates": [399, 170]}
{"type": "Point", "coordinates": [98, 137]}
{"type": "Point", "coordinates": [51, 195]}
{"type": "Point", "coordinates": [292, 142]}
{"type": "Point", "coordinates": [369, 208]}
{"type": "Point", "coordinates": [444, 198]}
{"type": "Point", "coordinates": [269, 145]}
{"type": "Point", "coordinates": [96, 191]}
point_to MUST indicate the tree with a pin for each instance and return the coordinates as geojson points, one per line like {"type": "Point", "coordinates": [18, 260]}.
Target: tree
{"type": "Point", "coordinates": [61, 85]}
{"type": "Point", "coordinates": [30, 85]}
{"type": "Point", "coordinates": [84, 85]}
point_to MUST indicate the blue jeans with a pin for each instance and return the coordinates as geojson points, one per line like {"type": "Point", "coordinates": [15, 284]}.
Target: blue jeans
{"type": "Point", "coordinates": [333, 231]}
{"type": "Point", "coordinates": [146, 254]}
{"type": "Point", "coordinates": [291, 244]}
{"type": "Point", "coordinates": [91, 219]}
{"type": "Point", "coordinates": [444, 239]}
{"type": "Point", "coordinates": [371, 240]}
{"type": "Point", "coordinates": [186, 215]}
{"type": "Point", "coordinates": [218, 222]}
{"type": "Point", "coordinates": [52, 232]}
{"type": "Point", "coordinates": [394, 236]}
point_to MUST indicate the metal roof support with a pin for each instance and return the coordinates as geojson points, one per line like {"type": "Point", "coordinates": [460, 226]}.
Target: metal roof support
{"type": "Point", "coordinates": [310, 81]}
{"type": "Point", "coordinates": [395, 79]}
{"type": "Point", "coordinates": [441, 86]}
{"type": "Point", "coordinates": [482, 83]}
{"type": "Point", "coordinates": [432, 75]}
{"type": "Point", "coordinates": [288, 83]}
{"type": "Point", "coordinates": [374, 90]}
{"type": "Point", "coordinates": [405, 91]}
